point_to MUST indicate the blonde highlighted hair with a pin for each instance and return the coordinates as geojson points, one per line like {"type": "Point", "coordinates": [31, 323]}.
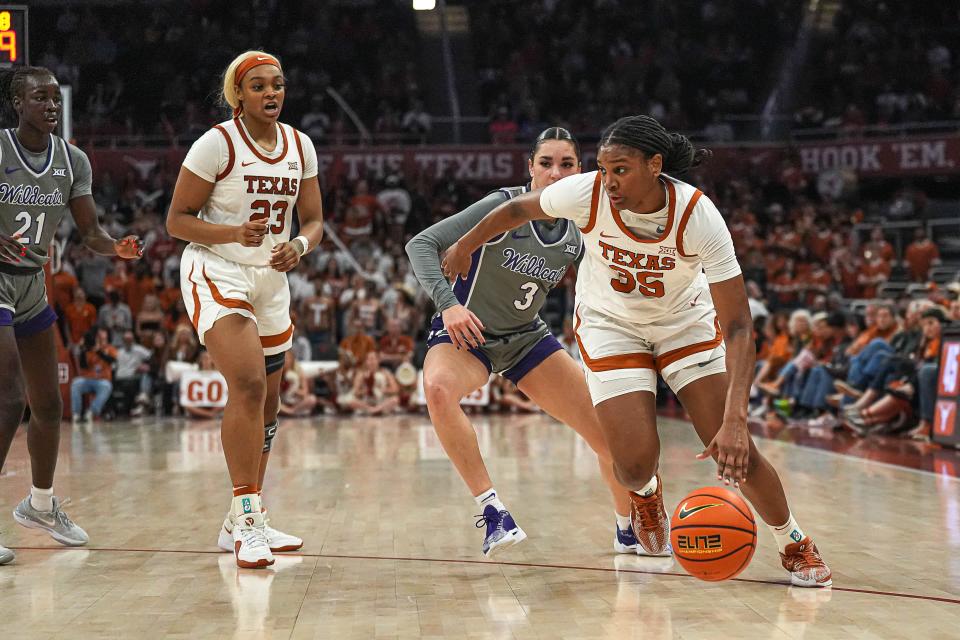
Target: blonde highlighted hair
{"type": "Point", "coordinates": [229, 92]}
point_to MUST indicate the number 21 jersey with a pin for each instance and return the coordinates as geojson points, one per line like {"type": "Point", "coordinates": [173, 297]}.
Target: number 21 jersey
{"type": "Point", "coordinates": [250, 183]}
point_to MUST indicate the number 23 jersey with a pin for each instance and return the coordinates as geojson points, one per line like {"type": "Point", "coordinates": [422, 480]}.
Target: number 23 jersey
{"type": "Point", "coordinates": [644, 269]}
{"type": "Point", "coordinates": [250, 183]}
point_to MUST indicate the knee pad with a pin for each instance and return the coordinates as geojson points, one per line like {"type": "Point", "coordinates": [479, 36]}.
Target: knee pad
{"type": "Point", "coordinates": [273, 363]}
{"type": "Point", "coordinates": [269, 432]}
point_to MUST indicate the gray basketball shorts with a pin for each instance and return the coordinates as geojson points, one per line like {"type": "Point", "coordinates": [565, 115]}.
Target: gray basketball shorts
{"type": "Point", "coordinates": [23, 303]}
{"type": "Point", "coordinates": [513, 356]}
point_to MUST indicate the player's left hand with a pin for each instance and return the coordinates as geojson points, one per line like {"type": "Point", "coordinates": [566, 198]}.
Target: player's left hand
{"type": "Point", "coordinates": [731, 449]}
{"type": "Point", "coordinates": [284, 257]}
{"type": "Point", "coordinates": [129, 248]}
{"type": "Point", "coordinates": [11, 250]}
{"type": "Point", "coordinates": [456, 262]}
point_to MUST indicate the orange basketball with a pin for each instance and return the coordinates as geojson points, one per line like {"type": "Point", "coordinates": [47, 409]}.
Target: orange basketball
{"type": "Point", "coordinates": [713, 533]}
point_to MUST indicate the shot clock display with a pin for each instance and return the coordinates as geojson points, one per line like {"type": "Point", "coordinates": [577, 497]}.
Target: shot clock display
{"type": "Point", "coordinates": [14, 40]}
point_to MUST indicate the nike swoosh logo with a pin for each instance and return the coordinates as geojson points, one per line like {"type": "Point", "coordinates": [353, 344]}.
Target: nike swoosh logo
{"type": "Point", "coordinates": [693, 302]}
{"type": "Point", "coordinates": [262, 58]}
{"type": "Point", "coordinates": [686, 513]}
{"type": "Point", "coordinates": [703, 364]}
{"type": "Point", "coordinates": [10, 170]}
{"type": "Point", "coordinates": [247, 164]}
{"type": "Point", "coordinates": [603, 235]}
{"type": "Point", "coordinates": [518, 237]}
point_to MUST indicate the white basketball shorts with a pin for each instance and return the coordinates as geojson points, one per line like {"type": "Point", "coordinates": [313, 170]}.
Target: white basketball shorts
{"type": "Point", "coordinates": [214, 287]}
{"type": "Point", "coordinates": [621, 358]}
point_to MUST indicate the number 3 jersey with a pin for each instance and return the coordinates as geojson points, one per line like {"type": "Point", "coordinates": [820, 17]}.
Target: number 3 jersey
{"type": "Point", "coordinates": [646, 270]}
{"type": "Point", "coordinates": [251, 183]}
{"type": "Point", "coordinates": [511, 275]}
{"type": "Point", "coordinates": [35, 193]}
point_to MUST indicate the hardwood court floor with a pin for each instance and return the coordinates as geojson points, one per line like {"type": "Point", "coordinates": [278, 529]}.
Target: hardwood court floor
{"type": "Point", "coordinates": [391, 550]}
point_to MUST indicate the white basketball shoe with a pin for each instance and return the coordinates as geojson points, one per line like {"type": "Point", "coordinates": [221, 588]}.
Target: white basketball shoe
{"type": "Point", "coordinates": [250, 542]}
{"type": "Point", "coordinates": [277, 540]}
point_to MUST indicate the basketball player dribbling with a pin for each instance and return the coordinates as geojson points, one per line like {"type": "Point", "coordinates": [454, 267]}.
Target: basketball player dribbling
{"type": "Point", "coordinates": [660, 291]}
{"type": "Point", "coordinates": [490, 322]}
{"type": "Point", "coordinates": [233, 202]}
{"type": "Point", "coordinates": [44, 178]}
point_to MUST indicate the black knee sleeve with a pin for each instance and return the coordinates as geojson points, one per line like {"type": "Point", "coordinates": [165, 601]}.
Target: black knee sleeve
{"type": "Point", "coordinates": [273, 363]}
{"type": "Point", "coordinates": [269, 431]}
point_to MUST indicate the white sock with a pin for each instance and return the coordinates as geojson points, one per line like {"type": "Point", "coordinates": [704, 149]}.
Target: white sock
{"type": "Point", "coordinates": [648, 489]}
{"type": "Point", "coordinates": [489, 497]}
{"type": "Point", "coordinates": [41, 499]}
{"type": "Point", "coordinates": [787, 533]}
{"type": "Point", "coordinates": [246, 503]}
{"type": "Point", "coordinates": [623, 522]}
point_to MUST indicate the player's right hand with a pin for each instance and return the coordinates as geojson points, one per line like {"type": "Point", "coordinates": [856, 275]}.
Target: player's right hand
{"type": "Point", "coordinates": [251, 233]}
{"type": "Point", "coordinates": [463, 326]}
{"type": "Point", "coordinates": [11, 250]}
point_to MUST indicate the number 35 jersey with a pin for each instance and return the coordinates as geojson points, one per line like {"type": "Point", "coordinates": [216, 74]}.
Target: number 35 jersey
{"type": "Point", "coordinates": [250, 183]}
{"type": "Point", "coordinates": [648, 269]}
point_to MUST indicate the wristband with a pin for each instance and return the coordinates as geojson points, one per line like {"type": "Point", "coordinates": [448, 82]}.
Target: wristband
{"type": "Point", "coordinates": [304, 243]}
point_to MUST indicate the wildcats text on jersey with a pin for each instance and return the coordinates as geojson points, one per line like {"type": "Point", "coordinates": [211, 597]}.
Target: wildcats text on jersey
{"type": "Point", "coordinates": [29, 195]}
{"type": "Point", "coordinates": [531, 265]}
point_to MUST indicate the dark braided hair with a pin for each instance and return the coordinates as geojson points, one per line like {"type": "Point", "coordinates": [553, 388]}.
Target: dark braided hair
{"type": "Point", "coordinates": [555, 133]}
{"type": "Point", "coordinates": [13, 84]}
{"type": "Point", "coordinates": [647, 135]}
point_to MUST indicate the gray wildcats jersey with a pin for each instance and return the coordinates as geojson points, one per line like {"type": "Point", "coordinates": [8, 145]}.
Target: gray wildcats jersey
{"type": "Point", "coordinates": [34, 198]}
{"type": "Point", "coordinates": [511, 275]}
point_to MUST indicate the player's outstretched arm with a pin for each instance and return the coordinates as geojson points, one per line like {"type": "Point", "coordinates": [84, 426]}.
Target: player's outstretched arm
{"type": "Point", "coordinates": [286, 255]}
{"type": "Point", "coordinates": [84, 212]}
{"type": "Point", "coordinates": [732, 442]}
{"type": "Point", "coordinates": [189, 195]}
{"type": "Point", "coordinates": [509, 215]}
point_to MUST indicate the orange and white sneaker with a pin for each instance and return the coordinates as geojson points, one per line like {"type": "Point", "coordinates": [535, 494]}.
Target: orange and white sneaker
{"type": "Point", "coordinates": [278, 540]}
{"type": "Point", "coordinates": [807, 569]}
{"type": "Point", "coordinates": [650, 523]}
{"type": "Point", "coordinates": [250, 544]}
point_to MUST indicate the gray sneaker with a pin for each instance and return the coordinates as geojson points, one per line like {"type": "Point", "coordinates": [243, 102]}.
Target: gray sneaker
{"type": "Point", "coordinates": [6, 555]}
{"type": "Point", "coordinates": [55, 522]}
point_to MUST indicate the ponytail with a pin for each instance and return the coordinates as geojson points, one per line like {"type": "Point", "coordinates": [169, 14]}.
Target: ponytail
{"type": "Point", "coordinates": [648, 136]}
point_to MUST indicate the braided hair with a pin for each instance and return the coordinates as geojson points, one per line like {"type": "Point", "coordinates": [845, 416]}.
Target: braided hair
{"type": "Point", "coordinates": [555, 133]}
{"type": "Point", "coordinates": [647, 135]}
{"type": "Point", "coordinates": [13, 83]}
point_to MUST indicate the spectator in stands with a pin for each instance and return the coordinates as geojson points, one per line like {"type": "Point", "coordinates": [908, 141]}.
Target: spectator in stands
{"type": "Point", "coordinates": [416, 122]}
{"type": "Point", "coordinates": [375, 390]}
{"type": "Point", "coordinates": [366, 309]}
{"type": "Point", "coordinates": [132, 374]}
{"type": "Point", "coordinates": [358, 343]}
{"type": "Point", "coordinates": [93, 273]}
{"type": "Point", "coordinates": [873, 273]}
{"type": "Point", "coordinates": [869, 375]}
{"type": "Point", "coordinates": [94, 375]}
{"type": "Point", "coordinates": [150, 319]}
{"type": "Point", "coordinates": [875, 341]}
{"type": "Point", "coordinates": [503, 129]}
{"type": "Point", "coordinates": [81, 316]}
{"type": "Point", "coordinates": [115, 315]}
{"type": "Point", "coordinates": [893, 410]}
{"type": "Point", "coordinates": [396, 203]}
{"type": "Point", "coordinates": [920, 256]}
{"type": "Point", "coordinates": [319, 315]}
{"type": "Point", "coordinates": [315, 123]}
{"type": "Point", "coordinates": [296, 398]}
{"type": "Point", "coordinates": [395, 348]}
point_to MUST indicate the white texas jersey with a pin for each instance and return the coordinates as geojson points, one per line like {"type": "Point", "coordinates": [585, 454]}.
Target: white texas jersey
{"type": "Point", "coordinates": [251, 183]}
{"type": "Point", "coordinates": [644, 269]}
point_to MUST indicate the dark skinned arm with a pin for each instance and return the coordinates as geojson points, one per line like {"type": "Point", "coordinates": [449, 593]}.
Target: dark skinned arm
{"type": "Point", "coordinates": [84, 212]}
